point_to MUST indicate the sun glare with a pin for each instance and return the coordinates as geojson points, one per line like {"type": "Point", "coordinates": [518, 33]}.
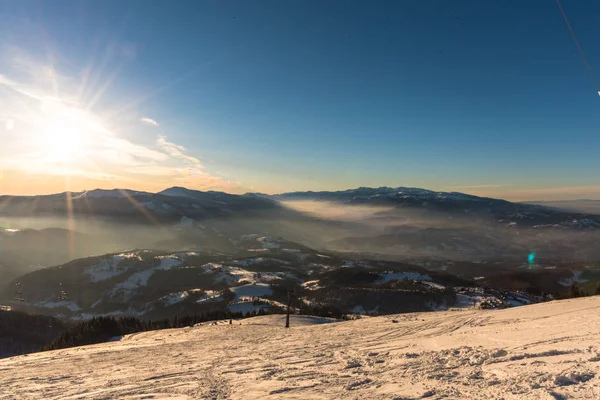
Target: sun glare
{"type": "Point", "coordinates": [63, 132]}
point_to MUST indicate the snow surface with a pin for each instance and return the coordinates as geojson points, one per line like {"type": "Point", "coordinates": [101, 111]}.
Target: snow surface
{"type": "Point", "coordinates": [229, 275]}
{"type": "Point", "coordinates": [575, 279]}
{"type": "Point", "coordinates": [210, 296]}
{"type": "Point", "coordinates": [168, 262]}
{"type": "Point", "coordinates": [268, 242]}
{"type": "Point", "coordinates": [311, 285]}
{"type": "Point", "coordinates": [253, 261]}
{"type": "Point", "coordinates": [109, 267]}
{"type": "Point", "coordinates": [246, 305]}
{"type": "Point", "coordinates": [135, 281]}
{"type": "Point", "coordinates": [433, 285]}
{"type": "Point", "coordinates": [252, 290]}
{"type": "Point", "coordinates": [398, 276]}
{"type": "Point", "coordinates": [543, 351]}
{"type": "Point", "coordinates": [58, 304]}
{"type": "Point", "coordinates": [174, 298]}
{"type": "Point", "coordinates": [233, 275]}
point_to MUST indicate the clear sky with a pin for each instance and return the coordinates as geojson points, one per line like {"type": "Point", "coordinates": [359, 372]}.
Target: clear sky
{"type": "Point", "coordinates": [483, 97]}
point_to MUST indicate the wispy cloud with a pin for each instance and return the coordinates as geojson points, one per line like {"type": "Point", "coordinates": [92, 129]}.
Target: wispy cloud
{"type": "Point", "coordinates": [176, 151]}
{"type": "Point", "coordinates": [102, 153]}
{"type": "Point", "coordinates": [149, 121]}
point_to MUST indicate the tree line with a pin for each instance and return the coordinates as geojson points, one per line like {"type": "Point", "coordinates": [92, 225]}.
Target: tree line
{"type": "Point", "coordinates": [102, 329]}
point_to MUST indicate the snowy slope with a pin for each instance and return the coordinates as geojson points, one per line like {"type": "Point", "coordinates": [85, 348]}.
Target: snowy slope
{"type": "Point", "coordinates": [544, 351]}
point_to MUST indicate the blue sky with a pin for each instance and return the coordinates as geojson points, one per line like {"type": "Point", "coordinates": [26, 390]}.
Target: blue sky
{"type": "Point", "coordinates": [489, 97]}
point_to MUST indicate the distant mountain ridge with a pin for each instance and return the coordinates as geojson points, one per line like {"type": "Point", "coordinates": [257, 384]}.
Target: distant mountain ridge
{"type": "Point", "coordinates": [176, 202]}
{"type": "Point", "coordinates": [455, 203]}
{"type": "Point", "coordinates": [582, 205]}
{"type": "Point", "coordinates": [243, 252]}
{"type": "Point", "coordinates": [401, 224]}
{"type": "Point", "coordinates": [169, 205]}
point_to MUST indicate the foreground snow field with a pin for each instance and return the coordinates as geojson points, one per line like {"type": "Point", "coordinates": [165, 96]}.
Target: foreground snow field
{"type": "Point", "coordinates": [543, 351]}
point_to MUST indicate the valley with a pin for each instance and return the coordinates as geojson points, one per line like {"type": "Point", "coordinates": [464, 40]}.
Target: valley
{"type": "Point", "coordinates": [364, 251]}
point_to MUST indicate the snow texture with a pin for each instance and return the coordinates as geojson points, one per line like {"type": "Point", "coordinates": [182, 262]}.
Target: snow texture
{"type": "Point", "coordinates": [127, 288]}
{"type": "Point", "coordinates": [398, 276]}
{"type": "Point", "coordinates": [59, 304]}
{"type": "Point", "coordinates": [210, 296]}
{"type": "Point", "coordinates": [575, 279]}
{"type": "Point", "coordinates": [252, 290]}
{"type": "Point", "coordinates": [543, 351]}
{"type": "Point", "coordinates": [109, 267]}
{"type": "Point", "coordinates": [174, 298]}
{"type": "Point", "coordinates": [229, 275]}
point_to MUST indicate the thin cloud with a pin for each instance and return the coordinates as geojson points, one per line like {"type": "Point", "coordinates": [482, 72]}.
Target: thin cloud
{"type": "Point", "coordinates": [102, 153]}
{"type": "Point", "coordinates": [176, 151]}
{"type": "Point", "coordinates": [149, 121]}
{"type": "Point", "coordinates": [153, 170]}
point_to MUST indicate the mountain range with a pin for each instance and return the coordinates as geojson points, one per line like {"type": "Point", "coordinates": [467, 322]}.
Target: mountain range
{"type": "Point", "coordinates": [367, 250]}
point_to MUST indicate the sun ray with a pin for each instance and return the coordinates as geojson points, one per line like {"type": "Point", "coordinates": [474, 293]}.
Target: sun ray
{"type": "Point", "coordinates": [70, 221]}
{"type": "Point", "coordinates": [100, 92]}
{"type": "Point", "coordinates": [139, 207]}
{"type": "Point", "coordinates": [95, 79]}
{"type": "Point", "coordinates": [140, 100]}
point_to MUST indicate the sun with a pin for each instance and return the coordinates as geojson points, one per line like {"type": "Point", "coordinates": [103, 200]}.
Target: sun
{"type": "Point", "coordinates": [61, 140]}
{"type": "Point", "coordinates": [63, 132]}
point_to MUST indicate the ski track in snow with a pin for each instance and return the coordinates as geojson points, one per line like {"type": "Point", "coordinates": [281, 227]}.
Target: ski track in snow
{"type": "Point", "coordinates": [544, 351]}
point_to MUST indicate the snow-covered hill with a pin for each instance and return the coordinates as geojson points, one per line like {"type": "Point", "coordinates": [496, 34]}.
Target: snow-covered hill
{"type": "Point", "coordinates": [155, 285]}
{"type": "Point", "coordinates": [544, 351]}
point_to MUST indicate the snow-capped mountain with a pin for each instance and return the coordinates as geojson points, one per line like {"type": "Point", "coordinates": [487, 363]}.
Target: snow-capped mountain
{"type": "Point", "coordinates": [174, 203]}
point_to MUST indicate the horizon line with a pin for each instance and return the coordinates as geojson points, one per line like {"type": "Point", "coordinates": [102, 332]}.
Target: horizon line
{"type": "Point", "coordinates": [288, 192]}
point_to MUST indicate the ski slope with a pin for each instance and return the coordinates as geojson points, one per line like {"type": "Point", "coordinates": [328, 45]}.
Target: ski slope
{"type": "Point", "coordinates": [543, 351]}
